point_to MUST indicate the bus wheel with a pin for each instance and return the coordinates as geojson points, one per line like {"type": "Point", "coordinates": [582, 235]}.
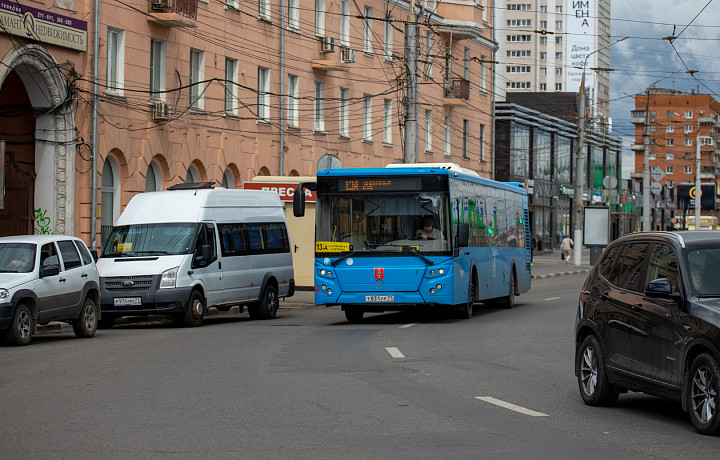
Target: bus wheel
{"type": "Point", "coordinates": [467, 309]}
{"type": "Point", "coordinates": [509, 301]}
{"type": "Point", "coordinates": [353, 314]}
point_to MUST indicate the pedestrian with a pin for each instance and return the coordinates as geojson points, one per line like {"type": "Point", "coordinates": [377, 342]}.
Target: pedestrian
{"type": "Point", "coordinates": [566, 247]}
{"type": "Point", "coordinates": [533, 244]}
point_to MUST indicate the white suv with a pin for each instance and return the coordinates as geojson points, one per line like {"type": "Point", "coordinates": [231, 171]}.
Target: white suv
{"type": "Point", "coordinates": [46, 278]}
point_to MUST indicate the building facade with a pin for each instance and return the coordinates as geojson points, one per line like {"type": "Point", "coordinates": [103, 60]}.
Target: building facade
{"type": "Point", "coordinates": [545, 44]}
{"type": "Point", "coordinates": [680, 128]}
{"type": "Point", "coordinates": [539, 150]}
{"type": "Point", "coordinates": [204, 90]}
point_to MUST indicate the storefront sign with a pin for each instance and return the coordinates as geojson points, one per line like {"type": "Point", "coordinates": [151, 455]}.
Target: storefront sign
{"type": "Point", "coordinates": [43, 26]}
{"type": "Point", "coordinates": [286, 191]}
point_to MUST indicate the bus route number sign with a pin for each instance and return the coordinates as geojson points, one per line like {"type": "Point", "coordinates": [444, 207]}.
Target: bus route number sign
{"type": "Point", "coordinates": [331, 246]}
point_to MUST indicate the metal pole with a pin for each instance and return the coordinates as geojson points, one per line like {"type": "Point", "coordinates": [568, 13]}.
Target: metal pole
{"type": "Point", "coordinates": [93, 169]}
{"type": "Point", "coordinates": [646, 165]}
{"type": "Point", "coordinates": [579, 174]}
{"type": "Point", "coordinates": [698, 187]}
{"type": "Point", "coordinates": [411, 108]}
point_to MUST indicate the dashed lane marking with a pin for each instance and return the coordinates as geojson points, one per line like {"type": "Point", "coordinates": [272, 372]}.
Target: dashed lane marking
{"type": "Point", "coordinates": [510, 406]}
{"type": "Point", "coordinates": [394, 352]}
{"type": "Point", "coordinates": [405, 326]}
{"type": "Point", "coordinates": [554, 298]}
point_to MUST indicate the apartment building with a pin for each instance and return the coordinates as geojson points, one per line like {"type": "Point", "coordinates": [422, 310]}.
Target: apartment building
{"type": "Point", "coordinates": [680, 127]}
{"type": "Point", "coordinates": [224, 91]}
{"type": "Point", "coordinates": [545, 44]}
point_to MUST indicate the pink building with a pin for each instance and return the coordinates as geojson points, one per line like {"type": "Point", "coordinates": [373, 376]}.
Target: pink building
{"type": "Point", "coordinates": [193, 90]}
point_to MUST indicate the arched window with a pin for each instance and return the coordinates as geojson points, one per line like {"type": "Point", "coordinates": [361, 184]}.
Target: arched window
{"type": "Point", "coordinates": [192, 175]}
{"type": "Point", "coordinates": [228, 181]}
{"type": "Point", "coordinates": [328, 161]}
{"type": "Point", "coordinates": [153, 178]}
{"type": "Point", "coordinates": [109, 196]}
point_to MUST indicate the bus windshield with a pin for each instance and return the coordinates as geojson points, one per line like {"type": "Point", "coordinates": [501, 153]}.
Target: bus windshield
{"type": "Point", "coordinates": [383, 222]}
{"type": "Point", "coordinates": [150, 239]}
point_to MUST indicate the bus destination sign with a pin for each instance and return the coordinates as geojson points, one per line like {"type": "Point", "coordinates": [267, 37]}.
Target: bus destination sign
{"type": "Point", "coordinates": [379, 184]}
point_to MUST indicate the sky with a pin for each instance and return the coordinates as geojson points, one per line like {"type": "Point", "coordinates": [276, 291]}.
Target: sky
{"type": "Point", "coordinates": [645, 57]}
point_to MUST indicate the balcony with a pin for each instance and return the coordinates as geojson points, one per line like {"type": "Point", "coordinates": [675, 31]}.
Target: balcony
{"type": "Point", "coordinates": [637, 147]}
{"type": "Point", "coordinates": [461, 18]}
{"type": "Point", "coordinates": [459, 88]}
{"type": "Point", "coordinates": [637, 116]}
{"type": "Point", "coordinates": [173, 13]}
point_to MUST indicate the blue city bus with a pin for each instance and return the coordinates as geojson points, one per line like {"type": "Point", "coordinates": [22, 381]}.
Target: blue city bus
{"type": "Point", "coordinates": [373, 254]}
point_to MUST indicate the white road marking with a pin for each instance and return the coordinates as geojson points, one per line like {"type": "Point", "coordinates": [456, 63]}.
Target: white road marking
{"type": "Point", "coordinates": [554, 298]}
{"type": "Point", "coordinates": [510, 406]}
{"type": "Point", "coordinates": [405, 326]}
{"type": "Point", "coordinates": [394, 352]}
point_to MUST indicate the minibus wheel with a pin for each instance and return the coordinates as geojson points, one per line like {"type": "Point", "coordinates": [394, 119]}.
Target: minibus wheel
{"type": "Point", "coordinates": [269, 303]}
{"type": "Point", "coordinates": [195, 310]}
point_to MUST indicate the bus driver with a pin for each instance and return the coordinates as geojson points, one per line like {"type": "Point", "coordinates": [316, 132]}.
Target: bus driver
{"type": "Point", "coordinates": [429, 232]}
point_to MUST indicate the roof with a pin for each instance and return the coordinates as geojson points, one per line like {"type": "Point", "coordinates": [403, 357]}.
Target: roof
{"type": "Point", "coordinates": [684, 237]}
{"type": "Point", "coordinates": [35, 239]}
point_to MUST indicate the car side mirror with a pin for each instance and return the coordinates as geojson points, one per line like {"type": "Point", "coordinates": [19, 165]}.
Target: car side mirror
{"type": "Point", "coordinates": [49, 270]}
{"type": "Point", "coordinates": [659, 288]}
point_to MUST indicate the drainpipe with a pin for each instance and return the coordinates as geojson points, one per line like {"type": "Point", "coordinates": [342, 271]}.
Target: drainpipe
{"type": "Point", "coordinates": [282, 87]}
{"type": "Point", "coordinates": [492, 101]}
{"type": "Point", "coordinates": [93, 170]}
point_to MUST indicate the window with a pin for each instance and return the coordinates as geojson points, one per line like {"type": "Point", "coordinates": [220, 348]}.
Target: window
{"type": "Point", "coordinates": [543, 70]}
{"type": "Point", "coordinates": [466, 63]}
{"type": "Point", "coordinates": [518, 84]}
{"type": "Point", "coordinates": [688, 142]}
{"type": "Point", "coordinates": [197, 75]}
{"type": "Point", "coordinates": [543, 24]}
{"type": "Point", "coordinates": [670, 114]}
{"type": "Point", "coordinates": [115, 61]}
{"type": "Point", "coordinates": [367, 117]}
{"type": "Point", "coordinates": [558, 70]}
{"type": "Point", "coordinates": [543, 9]}
{"type": "Point", "coordinates": [428, 53]}
{"type": "Point", "coordinates": [482, 143]}
{"type": "Point", "coordinates": [153, 178]}
{"type": "Point", "coordinates": [663, 264]}
{"type": "Point", "coordinates": [558, 25]}
{"type": "Point", "coordinates": [543, 86]}
{"type": "Point", "coordinates": [293, 20]}
{"type": "Point", "coordinates": [543, 40]}
{"type": "Point", "coordinates": [518, 38]}
{"type": "Point", "coordinates": [320, 18]}
{"type": "Point", "coordinates": [558, 55]}
{"type": "Point", "coordinates": [292, 103]}
{"type": "Point", "coordinates": [466, 133]}
{"type": "Point", "coordinates": [343, 112]}
{"type": "Point", "coordinates": [558, 40]}
{"type": "Point", "coordinates": [157, 68]}
{"type": "Point", "coordinates": [558, 9]}
{"type": "Point", "coordinates": [319, 107]}
{"type": "Point", "coordinates": [49, 256]}
{"type": "Point", "coordinates": [84, 252]}
{"type": "Point", "coordinates": [192, 176]}
{"type": "Point", "coordinates": [228, 179]}
{"type": "Point", "coordinates": [543, 55]}
{"type": "Point", "coordinates": [688, 129]}
{"type": "Point", "coordinates": [263, 95]}
{"type": "Point", "coordinates": [110, 193]}
{"type": "Point", "coordinates": [71, 258]}
{"type": "Point", "coordinates": [670, 183]}
{"type": "Point", "coordinates": [387, 121]}
{"type": "Point", "coordinates": [707, 141]}
{"type": "Point", "coordinates": [345, 22]}
{"type": "Point", "coordinates": [669, 170]}
{"type": "Point", "coordinates": [448, 131]}
{"type": "Point", "coordinates": [688, 170]}
{"type": "Point", "coordinates": [652, 128]}
{"type": "Point", "coordinates": [482, 73]}
{"type": "Point", "coordinates": [231, 4]}
{"type": "Point", "coordinates": [517, 53]}
{"type": "Point", "coordinates": [669, 156]}
{"type": "Point", "coordinates": [517, 69]}
{"type": "Point", "coordinates": [388, 45]}
{"type": "Point", "coordinates": [367, 30]}
{"type": "Point", "coordinates": [669, 142]}
{"type": "Point", "coordinates": [631, 264]}
{"type": "Point", "coordinates": [428, 130]}
{"type": "Point", "coordinates": [558, 86]}
{"type": "Point", "coordinates": [519, 22]}
{"type": "Point", "coordinates": [651, 156]}
{"type": "Point", "coordinates": [669, 128]}
{"type": "Point", "coordinates": [231, 75]}
{"type": "Point", "coordinates": [688, 114]}
{"type": "Point", "coordinates": [264, 9]}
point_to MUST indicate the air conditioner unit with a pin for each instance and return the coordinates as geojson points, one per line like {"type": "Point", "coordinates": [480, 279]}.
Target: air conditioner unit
{"type": "Point", "coordinates": [347, 55]}
{"type": "Point", "coordinates": [327, 45]}
{"type": "Point", "coordinates": [161, 4]}
{"type": "Point", "coordinates": [161, 111]}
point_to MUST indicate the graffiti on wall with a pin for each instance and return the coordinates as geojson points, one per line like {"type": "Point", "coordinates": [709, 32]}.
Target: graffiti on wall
{"type": "Point", "coordinates": [42, 222]}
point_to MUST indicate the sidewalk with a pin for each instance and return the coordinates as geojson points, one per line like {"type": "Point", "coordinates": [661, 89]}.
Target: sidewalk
{"type": "Point", "coordinates": [548, 264]}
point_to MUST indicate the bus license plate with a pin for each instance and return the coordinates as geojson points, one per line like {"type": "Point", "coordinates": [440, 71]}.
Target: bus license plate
{"type": "Point", "coordinates": [379, 298]}
{"type": "Point", "coordinates": [126, 301]}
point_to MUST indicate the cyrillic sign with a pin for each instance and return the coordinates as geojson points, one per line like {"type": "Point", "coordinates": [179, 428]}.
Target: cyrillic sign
{"type": "Point", "coordinates": [43, 26]}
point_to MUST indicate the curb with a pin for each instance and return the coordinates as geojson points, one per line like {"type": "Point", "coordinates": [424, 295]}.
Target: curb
{"type": "Point", "coordinates": [555, 275]}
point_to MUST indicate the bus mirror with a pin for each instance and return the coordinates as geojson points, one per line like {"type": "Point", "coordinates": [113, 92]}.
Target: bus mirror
{"type": "Point", "coordinates": [463, 235]}
{"type": "Point", "coordinates": [299, 201]}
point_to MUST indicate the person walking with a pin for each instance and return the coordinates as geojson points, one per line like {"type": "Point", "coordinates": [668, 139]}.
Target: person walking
{"type": "Point", "coordinates": [566, 247]}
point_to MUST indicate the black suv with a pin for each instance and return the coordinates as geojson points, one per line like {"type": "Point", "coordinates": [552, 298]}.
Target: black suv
{"type": "Point", "coordinates": [649, 320]}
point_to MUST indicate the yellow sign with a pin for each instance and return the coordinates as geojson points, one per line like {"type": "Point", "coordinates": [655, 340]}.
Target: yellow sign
{"type": "Point", "coordinates": [124, 247]}
{"type": "Point", "coordinates": [331, 246]}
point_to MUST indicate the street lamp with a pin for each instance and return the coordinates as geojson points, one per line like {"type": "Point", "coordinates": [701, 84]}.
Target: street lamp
{"type": "Point", "coordinates": [580, 160]}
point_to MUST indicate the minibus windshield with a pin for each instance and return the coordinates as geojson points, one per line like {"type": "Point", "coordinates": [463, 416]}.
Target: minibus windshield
{"type": "Point", "coordinates": [150, 239]}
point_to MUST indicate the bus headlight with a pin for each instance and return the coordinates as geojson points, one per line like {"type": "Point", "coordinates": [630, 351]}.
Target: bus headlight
{"type": "Point", "coordinates": [324, 272]}
{"type": "Point", "coordinates": [438, 286]}
{"type": "Point", "coordinates": [168, 278]}
{"type": "Point", "coordinates": [432, 290]}
{"type": "Point", "coordinates": [323, 287]}
{"type": "Point", "coordinates": [329, 291]}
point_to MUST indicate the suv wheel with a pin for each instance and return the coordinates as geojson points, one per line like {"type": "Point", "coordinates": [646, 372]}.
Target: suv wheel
{"type": "Point", "coordinates": [595, 388]}
{"type": "Point", "coordinates": [86, 324]}
{"type": "Point", "coordinates": [20, 330]}
{"type": "Point", "coordinates": [703, 394]}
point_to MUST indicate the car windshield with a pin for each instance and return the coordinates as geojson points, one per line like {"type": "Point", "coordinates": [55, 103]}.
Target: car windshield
{"type": "Point", "coordinates": [704, 267]}
{"type": "Point", "coordinates": [405, 223]}
{"type": "Point", "coordinates": [150, 239]}
{"type": "Point", "coordinates": [17, 257]}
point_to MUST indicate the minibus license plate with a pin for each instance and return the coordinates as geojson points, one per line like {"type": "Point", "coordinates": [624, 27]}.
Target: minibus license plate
{"type": "Point", "coordinates": [379, 298]}
{"type": "Point", "coordinates": [127, 301]}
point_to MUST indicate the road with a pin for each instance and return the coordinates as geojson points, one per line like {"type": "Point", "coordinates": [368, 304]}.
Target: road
{"type": "Point", "coordinates": [310, 385]}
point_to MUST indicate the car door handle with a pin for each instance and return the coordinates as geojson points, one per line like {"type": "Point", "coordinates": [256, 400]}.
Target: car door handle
{"type": "Point", "coordinates": [84, 275]}
{"type": "Point", "coordinates": [62, 280]}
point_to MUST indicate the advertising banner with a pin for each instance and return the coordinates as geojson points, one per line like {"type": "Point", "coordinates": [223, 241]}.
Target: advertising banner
{"type": "Point", "coordinates": [43, 26]}
{"type": "Point", "coordinates": [579, 39]}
